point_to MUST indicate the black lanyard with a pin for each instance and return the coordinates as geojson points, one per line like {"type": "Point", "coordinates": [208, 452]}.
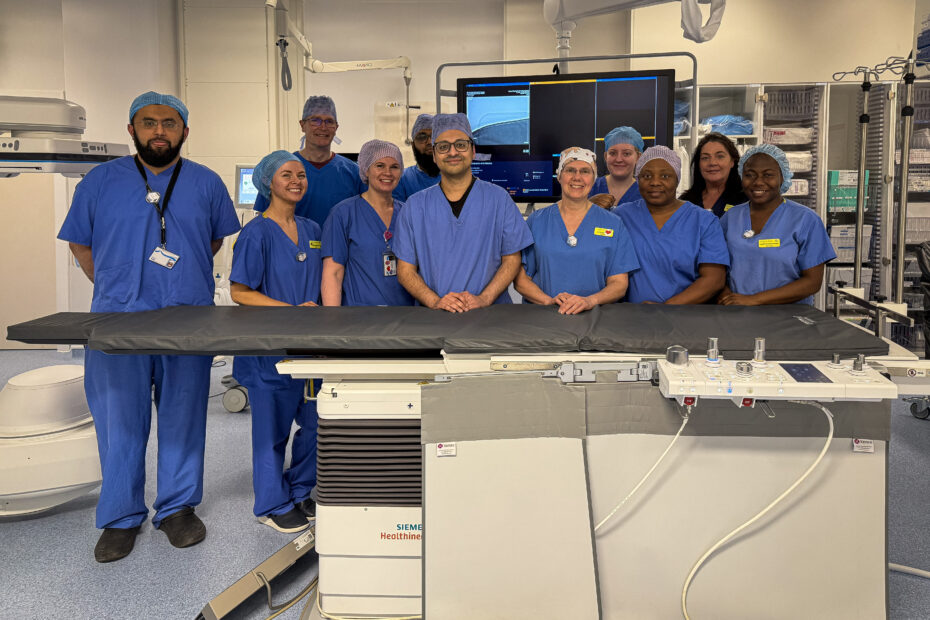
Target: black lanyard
{"type": "Point", "coordinates": [154, 198]}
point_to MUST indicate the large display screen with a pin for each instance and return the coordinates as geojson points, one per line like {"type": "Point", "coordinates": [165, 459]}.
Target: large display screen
{"type": "Point", "coordinates": [521, 124]}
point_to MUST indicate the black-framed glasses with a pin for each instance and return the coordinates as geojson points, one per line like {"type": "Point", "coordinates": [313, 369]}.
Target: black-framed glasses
{"type": "Point", "coordinates": [422, 137]}
{"type": "Point", "coordinates": [444, 147]}
{"type": "Point", "coordinates": [168, 124]}
{"type": "Point", "coordinates": [316, 122]}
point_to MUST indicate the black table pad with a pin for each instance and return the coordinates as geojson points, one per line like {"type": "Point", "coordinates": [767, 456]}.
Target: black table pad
{"type": "Point", "coordinates": [791, 331]}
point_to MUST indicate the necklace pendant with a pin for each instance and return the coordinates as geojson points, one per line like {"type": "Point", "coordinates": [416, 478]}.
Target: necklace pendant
{"type": "Point", "coordinates": [572, 241]}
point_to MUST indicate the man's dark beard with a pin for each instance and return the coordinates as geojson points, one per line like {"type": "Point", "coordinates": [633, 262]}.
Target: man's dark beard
{"type": "Point", "coordinates": [426, 163]}
{"type": "Point", "coordinates": [157, 159]}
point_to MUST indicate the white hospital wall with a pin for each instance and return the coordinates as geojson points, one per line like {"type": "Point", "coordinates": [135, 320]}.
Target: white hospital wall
{"type": "Point", "coordinates": [785, 41]}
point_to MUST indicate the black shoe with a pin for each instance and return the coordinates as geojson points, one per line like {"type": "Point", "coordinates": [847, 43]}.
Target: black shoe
{"type": "Point", "coordinates": [308, 507]}
{"type": "Point", "coordinates": [183, 528]}
{"type": "Point", "coordinates": [291, 521]}
{"type": "Point", "coordinates": [115, 544]}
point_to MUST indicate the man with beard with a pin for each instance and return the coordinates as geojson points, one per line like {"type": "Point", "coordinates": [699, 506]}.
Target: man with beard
{"type": "Point", "coordinates": [425, 173]}
{"type": "Point", "coordinates": [458, 243]}
{"type": "Point", "coordinates": [144, 229]}
{"type": "Point", "coordinates": [331, 178]}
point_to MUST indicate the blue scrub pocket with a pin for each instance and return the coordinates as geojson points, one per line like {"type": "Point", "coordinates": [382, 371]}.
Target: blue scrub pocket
{"type": "Point", "coordinates": [113, 286]}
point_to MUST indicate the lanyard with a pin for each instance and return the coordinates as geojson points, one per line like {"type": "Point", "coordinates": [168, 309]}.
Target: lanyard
{"type": "Point", "coordinates": [154, 198]}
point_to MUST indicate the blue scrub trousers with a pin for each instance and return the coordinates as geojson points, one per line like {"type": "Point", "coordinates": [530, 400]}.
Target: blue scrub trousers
{"type": "Point", "coordinates": [274, 409]}
{"type": "Point", "coordinates": [119, 393]}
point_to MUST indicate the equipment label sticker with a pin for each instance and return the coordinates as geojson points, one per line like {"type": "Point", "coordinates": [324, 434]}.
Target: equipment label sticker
{"type": "Point", "coordinates": [863, 445]}
{"type": "Point", "coordinates": [303, 540]}
{"type": "Point", "coordinates": [445, 449]}
{"type": "Point", "coordinates": [769, 243]}
{"type": "Point", "coordinates": [604, 232]}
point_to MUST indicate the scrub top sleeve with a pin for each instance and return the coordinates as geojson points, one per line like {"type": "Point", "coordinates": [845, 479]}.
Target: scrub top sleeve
{"type": "Point", "coordinates": [335, 236]}
{"type": "Point", "coordinates": [814, 246]}
{"type": "Point", "coordinates": [78, 226]}
{"type": "Point", "coordinates": [248, 263]}
{"type": "Point", "coordinates": [624, 260]}
{"type": "Point", "coordinates": [516, 234]}
{"type": "Point", "coordinates": [404, 243]}
{"type": "Point", "coordinates": [528, 255]}
{"type": "Point", "coordinates": [223, 216]}
{"type": "Point", "coordinates": [725, 223]}
{"type": "Point", "coordinates": [713, 245]}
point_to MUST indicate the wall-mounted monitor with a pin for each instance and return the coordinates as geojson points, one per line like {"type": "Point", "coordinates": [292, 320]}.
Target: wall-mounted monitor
{"type": "Point", "coordinates": [521, 124]}
{"type": "Point", "coordinates": [246, 192]}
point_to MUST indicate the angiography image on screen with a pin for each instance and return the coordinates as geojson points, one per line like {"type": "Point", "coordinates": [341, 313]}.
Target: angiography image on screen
{"type": "Point", "coordinates": [521, 124]}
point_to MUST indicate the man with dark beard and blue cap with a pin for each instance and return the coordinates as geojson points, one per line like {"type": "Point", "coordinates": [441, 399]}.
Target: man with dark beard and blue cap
{"type": "Point", "coordinates": [144, 229]}
{"type": "Point", "coordinates": [424, 173]}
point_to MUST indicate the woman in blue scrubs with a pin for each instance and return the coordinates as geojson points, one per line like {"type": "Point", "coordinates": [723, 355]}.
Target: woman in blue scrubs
{"type": "Point", "coordinates": [581, 253]}
{"type": "Point", "coordinates": [682, 254]}
{"type": "Point", "coordinates": [276, 262]}
{"type": "Point", "coordinates": [359, 266]}
{"type": "Point", "coordinates": [778, 248]}
{"type": "Point", "coordinates": [622, 148]}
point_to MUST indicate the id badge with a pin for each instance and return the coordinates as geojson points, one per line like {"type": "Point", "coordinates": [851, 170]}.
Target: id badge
{"type": "Point", "coordinates": [390, 263]}
{"type": "Point", "coordinates": [163, 257]}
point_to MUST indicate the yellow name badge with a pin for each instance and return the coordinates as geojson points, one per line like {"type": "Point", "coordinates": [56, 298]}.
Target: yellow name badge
{"type": "Point", "coordinates": [604, 232]}
{"type": "Point", "coordinates": [769, 243]}
{"type": "Point", "coordinates": [316, 245]}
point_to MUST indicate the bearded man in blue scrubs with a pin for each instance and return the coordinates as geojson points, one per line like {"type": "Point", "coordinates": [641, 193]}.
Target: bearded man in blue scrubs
{"type": "Point", "coordinates": [424, 173]}
{"type": "Point", "coordinates": [144, 229]}
{"type": "Point", "coordinates": [331, 178]}
{"type": "Point", "coordinates": [458, 243]}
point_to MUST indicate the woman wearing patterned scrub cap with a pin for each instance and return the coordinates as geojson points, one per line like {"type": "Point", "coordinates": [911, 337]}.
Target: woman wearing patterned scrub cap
{"type": "Point", "coordinates": [682, 254]}
{"type": "Point", "coordinates": [622, 148]}
{"type": "Point", "coordinates": [276, 262]}
{"type": "Point", "coordinates": [359, 266]}
{"type": "Point", "coordinates": [581, 254]}
{"type": "Point", "coordinates": [778, 247]}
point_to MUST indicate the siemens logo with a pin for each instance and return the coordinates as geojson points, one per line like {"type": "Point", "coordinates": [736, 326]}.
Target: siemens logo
{"type": "Point", "coordinates": [406, 527]}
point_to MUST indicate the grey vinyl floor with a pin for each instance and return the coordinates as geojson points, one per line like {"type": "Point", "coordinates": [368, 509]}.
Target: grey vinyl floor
{"type": "Point", "coordinates": [48, 569]}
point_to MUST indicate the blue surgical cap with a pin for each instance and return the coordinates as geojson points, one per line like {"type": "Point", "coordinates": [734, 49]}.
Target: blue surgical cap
{"type": "Point", "coordinates": [659, 152]}
{"type": "Point", "coordinates": [264, 171]}
{"type": "Point", "coordinates": [319, 105]}
{"type": "Point", "coordinates": [448, 122]}
{"type": "Point", "coordinates": [775, 153]}
{"type": "Point", "coordinates": [424, 121]}
{"type": "Point", "coordinates": [153, 98]}
{"type": "Point", "coordinates": [624, 135]}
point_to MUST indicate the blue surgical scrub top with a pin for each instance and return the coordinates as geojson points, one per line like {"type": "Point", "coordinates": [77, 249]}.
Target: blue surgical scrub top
{"type": "Point", "coordinates": [630, 195]}
{"type": "Point", "coordinates": [669, 258]}
{"type": "Point", "coordinates": [603, 249]}
{"type": "Point", "coordinates": [354, 236]}
{"type": "Point", "coordinates": [109, 213]}
{"type": "Point", "coordinates": [266, 260]}
{"type": "Point", "coordinates": [460, 254]}
{"type": "Point", "coordinates": [326, 187]}
{"type": "Point", "coordinates": [411, 181]}
{"type": "Point", "coordinates": [792, 240]}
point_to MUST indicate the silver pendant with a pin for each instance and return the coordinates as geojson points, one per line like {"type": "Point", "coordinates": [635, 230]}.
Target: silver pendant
{"type": "Point", "coordinates": [152, 198]}
{"type": "Point", "coordinates": [749, 234]}
{"type": "Point", "coordinates": [301, 257]}
{"type": "Point", "coordinates": [572, 241]}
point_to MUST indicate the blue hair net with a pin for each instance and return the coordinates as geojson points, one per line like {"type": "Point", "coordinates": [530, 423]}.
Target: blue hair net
{"type": "Point", "coordinates": [448, 122]}
{"type": "Point", "coordinates": [153, 98]}
{"type": "Point", "coordinates": [424, 121]}
{"type": "Point", "coordinates": [775, 153]}
{"type": "Point", "coordinates": [659, 152]}
{"type": "Point", "coordinates": [264, 171]}
{"type": "Point", "coordinates": [372, 151]}
{"type": "Point", "coordinates": [624, 135]}
{"type": "Point", "coordinates": [319, 104]}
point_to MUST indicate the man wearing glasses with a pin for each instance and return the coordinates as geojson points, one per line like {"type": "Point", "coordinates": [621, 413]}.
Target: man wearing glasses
{"type": "Point", "coordinates": [424, 173]}
{"type": "Point", "coordinates": [458, 243]}
{"type": "Point", "coordinates": [144, 229]}
{"type": "Point", "coordinates": [331, 178]}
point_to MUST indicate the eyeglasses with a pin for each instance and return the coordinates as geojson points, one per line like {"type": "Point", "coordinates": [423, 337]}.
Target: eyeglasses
{"type": "Point", "coordinates": [316, 122]}
{"type": "Point", "coordinates": [168, 124]}
{"type": "Point", "coordinates": [422, 137]}
{"type": "Point", "coordinates": [444, 147]}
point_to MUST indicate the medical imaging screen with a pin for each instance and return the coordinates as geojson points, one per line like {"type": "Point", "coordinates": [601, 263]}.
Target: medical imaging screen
{"type": "Point", "coordinates": [521, 124]}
